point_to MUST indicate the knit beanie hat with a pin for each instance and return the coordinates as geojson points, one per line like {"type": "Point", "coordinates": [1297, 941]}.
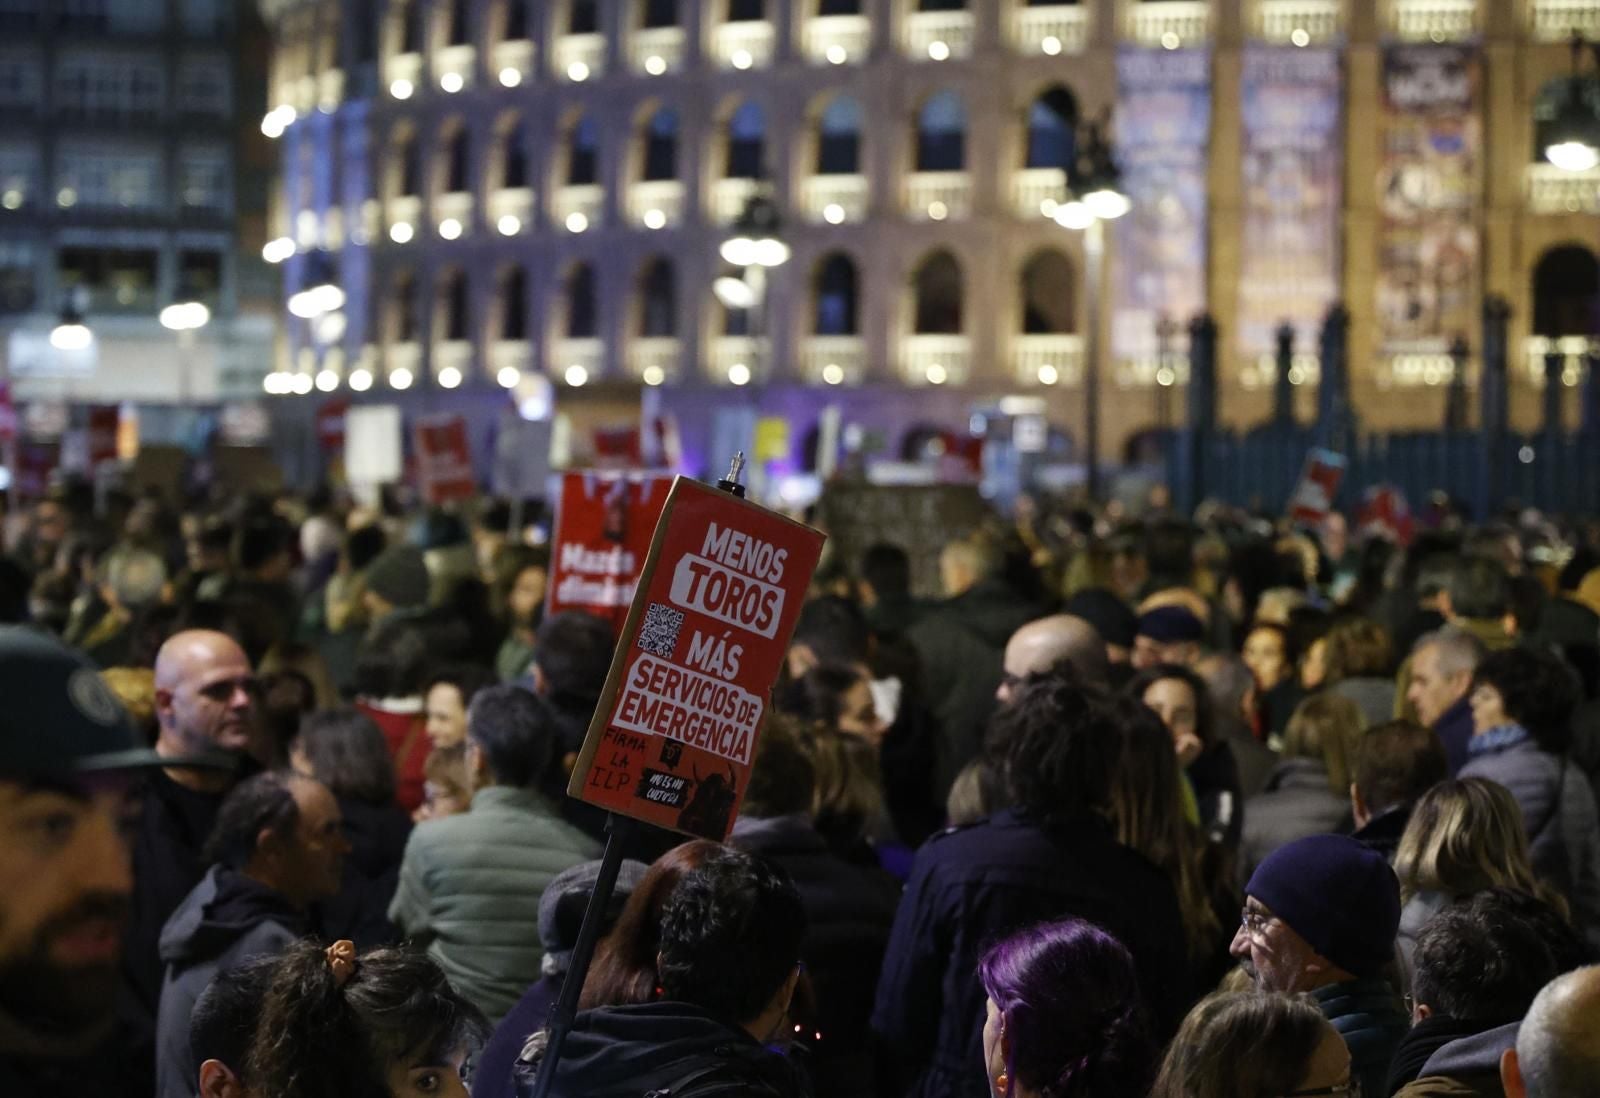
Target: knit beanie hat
{"type": "Point", "coordinates": [564, 901]}
{"type": "Point", "coordinates": [1170, 625]}
{"type": "Point", "coordinates": [400, 576]}
{"type": "Point", "coordinates": [1336, 893]}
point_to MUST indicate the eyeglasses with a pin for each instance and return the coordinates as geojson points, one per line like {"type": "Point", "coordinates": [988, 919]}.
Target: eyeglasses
{"type": "Point", "coordinates": [1254, 922]}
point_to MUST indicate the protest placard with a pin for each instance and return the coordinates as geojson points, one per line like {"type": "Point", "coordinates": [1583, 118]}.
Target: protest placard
{"type": "Point", "coordinates": [604, 525]}
{"type": "Point", "coordinates": [675, 732]}
{"type": "Point", "coordinates": [444, 459]}
{"type": "Point", "coordinates": [1319, 485]}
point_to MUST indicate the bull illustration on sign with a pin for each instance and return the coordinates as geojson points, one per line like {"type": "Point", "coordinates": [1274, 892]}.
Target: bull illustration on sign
{"type": "Point", "coordinates": [711, 806]}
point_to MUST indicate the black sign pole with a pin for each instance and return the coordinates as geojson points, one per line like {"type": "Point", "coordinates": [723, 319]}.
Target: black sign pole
{"type": "Point", "coordinates": [619, 831]}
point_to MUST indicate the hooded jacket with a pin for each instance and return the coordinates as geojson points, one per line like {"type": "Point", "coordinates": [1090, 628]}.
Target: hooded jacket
{"type": "Point", "coordinates": [666, 1047]}
{"type": "Point", "coordinates": [228, 919]}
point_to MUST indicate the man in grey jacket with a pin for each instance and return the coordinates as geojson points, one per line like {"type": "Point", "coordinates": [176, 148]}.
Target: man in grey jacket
{"type": "Point", "coordinates": [470, 884]}
{"type": "Point", "coordinates": [278, 847]}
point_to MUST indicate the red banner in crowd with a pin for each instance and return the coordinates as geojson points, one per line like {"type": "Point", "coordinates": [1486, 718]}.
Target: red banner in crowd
{"type": "Point", "coordinates": [103, 420]}
{"type": "Point", "coordinates": [602, 536]}
{"type": "Point", "coordinates": [675, 733]}
{"type": "Point", "coordinates": [618, 445]}
{"type": "Point", "coordinates": [444, 459]}
{"type": "Point", "coordinates": [330, 425]}
{"type": "Point", "coordinates": [8, 414]}
{"type": "Point", "coordinates": [1319, 484]}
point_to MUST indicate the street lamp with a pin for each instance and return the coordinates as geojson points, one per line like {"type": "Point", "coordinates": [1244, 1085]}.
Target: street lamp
{"type": "Point", "coordinates": [71, 333]}
{"type": "Point", "coordinates": [319, 293]}
{"type": "Point", "coordinates": [1094, 196]}
{"type": "Point", "coordinates": [757, 246]}
{"type": "Point", "coordinates": [185, 318]}
{"type": "Point", "coordinates": [1573, 143]}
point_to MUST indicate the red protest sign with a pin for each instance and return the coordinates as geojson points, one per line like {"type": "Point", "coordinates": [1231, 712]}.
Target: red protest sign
{"type": "Point", "coordinates": [603, 529]}
{"type": "Point", "coordinates": [330, 425]}
{"type": "Point", "coordinates": [675, 732]}
{"type": "Point", "coordinates": [444, 459]}
{"type": "Point", "coordinates": [1319, 484]}
{"type": "Point", "coordinates": [8, 414]}
{"type": "Point", "coordinates": [103, 420]}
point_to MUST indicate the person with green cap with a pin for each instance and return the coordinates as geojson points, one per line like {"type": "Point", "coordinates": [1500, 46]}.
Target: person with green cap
{"type": "Point", "coordinates": [67, 755]}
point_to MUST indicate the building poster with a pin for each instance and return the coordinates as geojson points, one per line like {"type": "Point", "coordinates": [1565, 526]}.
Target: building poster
{"type": "Point", "coordinates": [1430, 178]}
{"type": "Point", "coordinates": [1290, 182]}
{"type": "Point", "coordinates": [1163, 128]}
{"type": "Point", "coordinates": [604, 524]}
{"type": "Point", "coordinates": [674, 735]}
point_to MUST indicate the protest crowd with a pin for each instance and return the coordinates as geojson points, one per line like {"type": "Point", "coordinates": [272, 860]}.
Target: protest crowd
{"type": "Point", "coordinates": [1186, 806]}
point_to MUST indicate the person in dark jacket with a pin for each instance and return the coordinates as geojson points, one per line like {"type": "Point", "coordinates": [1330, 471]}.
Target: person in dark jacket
{"type": "Point", "coordinates": [1479, 964]}
{"type": "Point", "coordinates": [1522, 703]}
{"type": "Point", "coordinates": [960, 645]}
{"type": "Point", "coordinates": [1396, 762]}
{"type": "Point", "coordinates": [561, 911]}
{"type": "Point", "coordinates": [1309, 790]}
{"type": "Point", "coordinates": [277, 849]}
{"type": "Point", "coordinates": [1320, 916]}
{"type": "Point", "coordinates": [346, 752]}
{"type": "Point", "coordinates": [849, 910]}
{"type": "Point", "coordinates": [207, 709]}
{"type": "Point", "coordinates": [1440, 678]}
{"type": "Point", "coordinates": [1050, 856]}
{"type": "Point", "coordinates": [729, 966]}
{"type": "Point", "coordinates": [67, 753]}
{"type": "Point", "coordinates": [1179, 697]}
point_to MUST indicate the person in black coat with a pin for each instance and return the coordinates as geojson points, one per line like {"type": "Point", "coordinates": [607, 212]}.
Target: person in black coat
{"type": "Point", "coordinates": [347, 752]}
{"type": "Point", "coordinates": [1180, 698]}
{"type": "Point", "coordinates": [1050, 856]}
{"type": "Point", "coordinates": [849, 911]}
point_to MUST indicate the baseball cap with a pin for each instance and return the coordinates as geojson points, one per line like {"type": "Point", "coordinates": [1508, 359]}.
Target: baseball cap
{"type": "Point", "coordinates": [59, 716]}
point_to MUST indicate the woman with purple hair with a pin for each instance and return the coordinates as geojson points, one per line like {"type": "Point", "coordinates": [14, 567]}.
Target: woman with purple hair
{"type": "Point", "coordinates": [1065, 1017]}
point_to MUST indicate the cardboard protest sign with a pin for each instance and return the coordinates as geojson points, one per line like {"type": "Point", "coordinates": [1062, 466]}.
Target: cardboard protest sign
{"type": "Point", "coordinates": [444, 459]}
{"type": "Point", "coordinates": [1319, 484]}
{"type": "Point", "coordinates": [602, 537]}
{"type": "Point", "coordinates": [675, 732]}
{"type": "Point", "coordinates": [103, 422]}
{"type": "Point", "coordinates": [372, 448]}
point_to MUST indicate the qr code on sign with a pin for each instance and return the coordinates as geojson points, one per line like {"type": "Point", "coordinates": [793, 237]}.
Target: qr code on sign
{"type": "Point", "coordinates": [659, 636]}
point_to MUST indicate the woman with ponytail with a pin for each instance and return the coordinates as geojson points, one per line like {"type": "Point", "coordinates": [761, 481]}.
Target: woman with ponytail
{"type": "Point", "coordinates": [384, 1024]}
{"type": "Point", "coordinates": [1065, 1019]}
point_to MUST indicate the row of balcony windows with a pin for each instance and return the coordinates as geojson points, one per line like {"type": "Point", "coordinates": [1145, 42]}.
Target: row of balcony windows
{"type": "Point", "coordinates": [823, 200]}
{"type": "Point", "coordinates": [748, 40]}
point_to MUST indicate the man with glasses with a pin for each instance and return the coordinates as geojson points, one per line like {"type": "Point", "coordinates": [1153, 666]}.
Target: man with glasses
{"type": "Point", "coordinates": [1320, 917]}
{"type": "Point", "coordinates": [206, 709]}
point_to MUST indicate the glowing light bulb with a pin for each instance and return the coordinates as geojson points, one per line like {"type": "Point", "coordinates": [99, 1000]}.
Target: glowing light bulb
{"type": "Point", "coordinates": [1048, 375]}
{"type": "Point", "coordinates": [451, 82]}
{"type": "Point", "coordinates": [577, 222]}
{"type": "Point", "coordinates": [510, 77]}
{"type": "Point", "coordinates": [449, 377]}
{"type": "Point", "coordinates": [741, 59]}
{"type": "Point", "coordinates": [401, 89]}
{"type": "Point", "coordinates": [400, 378]}
{"type": "Point", "coordinates": [937, 375]}
{"type": "Point", "coordinates": [508, 376]}
{"type": "Point", "coordinates": [509, 225]}
{"type": "Point", "coordinates": [361, 380]}
{"type": "Point", "coordinates": [833, 373]}
{"type": "Point", "coordinates": [833, 213]}
{"type": "Point", "coordinates": [654, 219]}
{"type": "Point", "coordinates": [577, 72]}
{"type": "Point", "coordinates": [327, 381]}
{"type": "Point", "coordinates": [576, 375]}
{"type": "Point", "coordinates": [939, 50]}
{"type": "Point", "coordinates": [836, 54]}
{"type": "Point", "coordinates": [1050, 45]}
{"type": "Point", "coordinates": [401, 232]}
{"type": "Point", "coordinates": [654, 375]}
{"type": "Point", "coordinates": [450, 228]}
{"type": "Point", "coordinates": [739, 374]}
{"type": "Point", "coordinates": [655, 65]}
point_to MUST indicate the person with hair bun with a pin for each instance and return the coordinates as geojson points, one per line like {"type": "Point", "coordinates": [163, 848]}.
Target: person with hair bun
{"type": "Point", "coordinates": [1065, 1017]}
{"type": "Point", "coordinates": [340, 1024]}
{"type": "Point", "coordinates": [1255, 1044]}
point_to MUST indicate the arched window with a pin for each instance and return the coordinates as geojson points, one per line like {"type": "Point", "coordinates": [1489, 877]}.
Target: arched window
{"type": "Point", "coordinates": [1566, 292]}
{"type": "Point", "coordinates": [839, 138]}
{"type": "Point", "coordinates": [661, 146]}
{"type": "Point", "coordinates": [514, 156]}
{"type": "Point", "coordinates": [747, 128]}
{"type": "Point", "coordinates": [834, 295]}
{"type": "Point", "coordinates": [581, 315]}
{"type": "Point", "coordinates": [1555, 98]}
{"type": "Point", "coordinates": [658, 300]}
{"type": "Point", "coordinates": [1047, 294]}
{"type": "Point", "coordinates": [405, 308]}
{"type": "Point", "coordinates": [941, 134]}
{"type": "Point", "coordinates": [413, 34]}
{"type": "Point", "coordinates": [518, 20]}
{"type": "Point", "coordinates": [410, 165]}
{"type": "Point", "coordinates": [659, 13]}
{"type": "Point", "coordinates": [746, 11]}
{"type": "Point", "coordinates": [1052, 130]}
{"type": "Point", "coordinates": [838, 7]}
{"type": "Point", "coordinates": [514, 304]}
{"type": "Point", "coordinates": [458, 31]}
{"type": "Point", "coordinates": [936, 289]}
{"type": "Point", "coordinates": [941, 5]}
{"type": "Point", "coordinates": [583, 17]}
{"type": "Point", "coordinates": [457, 161]}
{"type": "Point", "coordinates": [453, 304]}
{"type": "Point", "coordinates": [583, 160]}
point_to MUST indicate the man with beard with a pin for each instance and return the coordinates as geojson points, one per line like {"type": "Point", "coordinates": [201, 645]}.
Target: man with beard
{"type": "Point", "coordinates": [206, 709]}
{"type": "Point", "coordinates": [65, 873]}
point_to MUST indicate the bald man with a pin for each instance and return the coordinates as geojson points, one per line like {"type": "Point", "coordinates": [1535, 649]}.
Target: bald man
{"type": "Point", "coordinates": [206, 713]}
{"type": "Point", "coordinates": [1558, 1046]}
{"type": "Point", "coordinates": [1040, 645]}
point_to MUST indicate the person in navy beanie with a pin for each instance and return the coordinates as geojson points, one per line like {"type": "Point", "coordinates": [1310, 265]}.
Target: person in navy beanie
{"type": "Point", "coordinates": [1320, 917]}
